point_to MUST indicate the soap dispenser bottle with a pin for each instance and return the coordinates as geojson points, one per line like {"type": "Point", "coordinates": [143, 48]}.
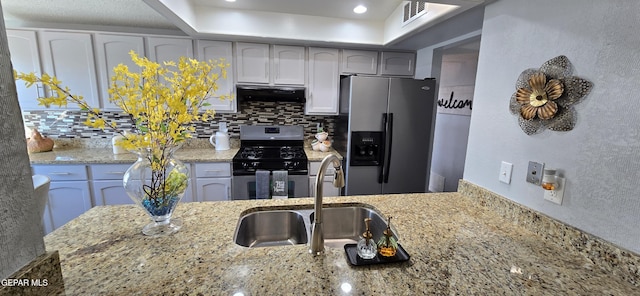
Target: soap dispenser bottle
{"type": "Point", "coordinates": [387, 245]}
{"type": "Point", "coordinates": [366, 246]}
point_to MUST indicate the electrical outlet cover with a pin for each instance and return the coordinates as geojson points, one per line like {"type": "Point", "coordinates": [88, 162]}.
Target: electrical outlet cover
{"type": "Point", "coordinates": [505, 172]}
{"type": "Point", "coordinates": [555, 196]}
{"type": "Point", "coordinates": [534, 172]}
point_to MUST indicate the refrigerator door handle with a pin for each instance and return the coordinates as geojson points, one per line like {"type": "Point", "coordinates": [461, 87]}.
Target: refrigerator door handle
{"type": "Point", "coordinates": [382, 150]}
{"type": "Point", "coordinates": [387, 162]}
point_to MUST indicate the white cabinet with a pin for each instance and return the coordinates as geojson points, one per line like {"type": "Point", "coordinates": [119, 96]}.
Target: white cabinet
{"type": "Point", "coordinates": [107, 187]}
{"type": "Point", "coordinates": [359, 62]}
{"type": "Point", "coordinates": [252, 62]}
{"type": "Point", "coordinates": [107, 184]}
{"type": "Point", "coordinates": [112, 50]}
{"type": "Point", "coordinates": [69, 56]}
{"type": "Point", "coordinates": [23, 46]}
{"type": "Point", "coordinates": [69, 194]}
{"type": "Point", "coordinates": [328, 189]}
{"type": "Point", "coordinates": [213, 189]}
{"type": "Point", "coordinates": [110, 192]}
{"type": "Point", "coordinates": [397, 63]}
{"type": "Point", "coordinates": [288, 65]}
{"type": "Point", "coordinates": [67, 200]}
{"type": "Point", "coordinates": [216, 50]}
{"type": "Point", "coordinates": [324, 79]}
{"type": "Point", "coordinates": [164, 49]}
{"type": "Point", "coordinates": [213, 181]}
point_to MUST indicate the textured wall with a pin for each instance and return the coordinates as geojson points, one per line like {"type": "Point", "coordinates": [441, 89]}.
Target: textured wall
{"type": "Point", "coordinates": [52, 124]}
{"type": "Point", "coordinates": [20, 228]}
{"type": "Point", "coordinates": [601, 156]}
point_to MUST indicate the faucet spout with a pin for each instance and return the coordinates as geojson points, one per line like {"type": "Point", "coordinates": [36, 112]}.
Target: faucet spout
{"type": "Point", "coordinates": [317, 237]}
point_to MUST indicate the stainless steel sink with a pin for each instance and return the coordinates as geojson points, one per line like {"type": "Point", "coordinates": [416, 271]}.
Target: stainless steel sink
{"type": "Point", "coordinates": [342, 225]}
{"type": "Point", "coordinates": [271, 228]}
{"type": "Point", "coordinates": [345, 225]}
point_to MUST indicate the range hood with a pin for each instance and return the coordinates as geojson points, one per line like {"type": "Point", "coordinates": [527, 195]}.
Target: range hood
{"type": "Point", "coordinates": [271, 93]}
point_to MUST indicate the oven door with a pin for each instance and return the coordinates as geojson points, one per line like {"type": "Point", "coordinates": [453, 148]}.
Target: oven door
{"type": "Point", "coordinates": [244, 187]}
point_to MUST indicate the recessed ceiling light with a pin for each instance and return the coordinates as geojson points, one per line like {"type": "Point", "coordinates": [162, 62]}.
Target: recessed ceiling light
{"type": "Point", "coordinates": [230, 0]}
{"type": "Point", "coordinates": [360, 9]}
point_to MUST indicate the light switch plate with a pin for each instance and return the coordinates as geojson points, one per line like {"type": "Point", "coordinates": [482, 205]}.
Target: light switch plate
{"type": "Point", "coordinates": [534, 172]}
{"type": "Point", "coordinates": [505, 172]}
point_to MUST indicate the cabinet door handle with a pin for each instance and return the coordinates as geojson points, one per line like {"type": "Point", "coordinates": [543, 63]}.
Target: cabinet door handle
{"type": "Point", "coordinates": [228, 192]}
{"type": "Point", "coordinates": [266, 70]}
{"type": "Point", "coordinates": [115, 173]}
{"type": "Point", "coordinates": [38, 87]}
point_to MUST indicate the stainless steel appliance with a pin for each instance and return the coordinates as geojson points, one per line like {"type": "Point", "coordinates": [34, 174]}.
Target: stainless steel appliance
{"type": "Point", "coordinates": [271, 93]}
{"type": "Point", "coordinates": [385, 130]}
{"type": "Point", "coordinates": [272, 148]}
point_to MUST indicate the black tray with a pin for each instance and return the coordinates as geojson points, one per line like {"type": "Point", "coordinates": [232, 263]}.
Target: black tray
{"type": "Point", "coordinates": [355, 260]}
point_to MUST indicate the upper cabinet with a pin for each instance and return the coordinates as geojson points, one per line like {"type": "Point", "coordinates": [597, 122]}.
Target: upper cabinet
{"type": "Point", "coordinates": [112, 50]}
{"type": "Point", "coordinates": [359, 62]}
{"type": "Point", "coordinates": [288, 65]}
{"type": "Point", "coordinates": [23, 46]}
{"type": "Point", "coordinates": [398, 63]}
{"type": "Point", "coordinates": [252, 62]}
{"type": "Point", "coordinates": [324, 76]}
{"type": "Point", "coordinates": [254, 65]}
{"type": "Point", "coordinates": [217, 50]}
{"type": "Point", "coordinates": [69, 57]}
{"type": "Point", "coordinates": [163, 49]}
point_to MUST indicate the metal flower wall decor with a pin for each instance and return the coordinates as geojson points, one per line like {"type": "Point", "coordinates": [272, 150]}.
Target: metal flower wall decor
{"type": "Point", "coordinates": [544, 97]}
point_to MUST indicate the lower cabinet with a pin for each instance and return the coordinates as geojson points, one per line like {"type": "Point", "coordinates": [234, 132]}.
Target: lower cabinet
{"type": "Point", "coordinates": [67, 200]}
{"type": "Point", "coordinates": [107, 184]}
{"type": "Point", "coordinates": [328, 189]}
{"type": "Point", "coordinates": [75, 189]}
{"type": "Point", "coordinates": [213, 181]}
{"type": "Point", "coordinates": [69, 194]}
{"type": "Point", "coordinates": [213, 189]}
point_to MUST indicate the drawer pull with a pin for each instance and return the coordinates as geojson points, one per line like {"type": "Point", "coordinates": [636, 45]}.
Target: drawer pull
{"type": "Point", "coordinates": [213, 171]}
{"type": "Point", "coordinates": [61, 173]}
{"type": "Point", "coordinates": [115, 173]}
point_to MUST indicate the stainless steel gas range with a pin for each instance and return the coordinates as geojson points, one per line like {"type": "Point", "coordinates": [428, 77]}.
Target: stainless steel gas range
{"type": "Point", "coordinates": [271, 148]}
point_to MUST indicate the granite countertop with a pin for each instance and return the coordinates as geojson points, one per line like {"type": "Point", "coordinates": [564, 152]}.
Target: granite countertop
{"type": "Point", "coordinates": [457, 247]}
{"type": "Point", "coordinates": [83, 155]}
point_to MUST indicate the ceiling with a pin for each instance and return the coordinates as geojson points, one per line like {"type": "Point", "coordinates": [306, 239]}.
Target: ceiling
{"type": "Point", "coordinates": [378, 10]}
{"type": "Point", "coordinates": [144, 14]}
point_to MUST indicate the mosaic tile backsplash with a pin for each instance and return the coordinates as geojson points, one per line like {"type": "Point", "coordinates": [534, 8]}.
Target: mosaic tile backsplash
{"type": "Point", "coordinates": [69, 124]}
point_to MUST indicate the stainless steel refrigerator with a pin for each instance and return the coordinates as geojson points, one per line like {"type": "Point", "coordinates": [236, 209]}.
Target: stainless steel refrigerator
{"type": "Point", "coordinates": [385, 130]}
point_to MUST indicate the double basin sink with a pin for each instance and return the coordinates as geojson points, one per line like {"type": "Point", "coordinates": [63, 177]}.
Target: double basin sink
{"type": "Point", "coordinates": [342, 223]}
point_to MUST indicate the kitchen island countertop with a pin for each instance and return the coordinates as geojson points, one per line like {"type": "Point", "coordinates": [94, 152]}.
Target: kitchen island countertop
{"type": "Point", "coordinates": [457, 247]}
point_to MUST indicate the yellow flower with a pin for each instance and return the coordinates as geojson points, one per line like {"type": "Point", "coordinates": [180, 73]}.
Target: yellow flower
{"type": "Point", "coordinates": [163, 100]}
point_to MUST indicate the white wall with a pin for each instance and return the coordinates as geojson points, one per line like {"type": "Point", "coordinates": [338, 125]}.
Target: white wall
{"type": "Point", "coordinates": [459, 67]}
{"type": "Point", "coordinates": [601, 156]}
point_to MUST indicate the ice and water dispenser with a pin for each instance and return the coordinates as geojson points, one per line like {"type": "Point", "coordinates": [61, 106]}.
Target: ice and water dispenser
{"type": "Point", "coordinates": [366, 148]}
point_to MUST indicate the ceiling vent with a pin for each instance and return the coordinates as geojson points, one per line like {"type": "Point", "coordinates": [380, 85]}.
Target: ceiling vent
{"type": "Point", "coordinates": [413, 10]}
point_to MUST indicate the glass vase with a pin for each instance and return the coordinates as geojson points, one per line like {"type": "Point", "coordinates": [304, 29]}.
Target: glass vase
{"type": "Point", "coordinates": [156, 182]}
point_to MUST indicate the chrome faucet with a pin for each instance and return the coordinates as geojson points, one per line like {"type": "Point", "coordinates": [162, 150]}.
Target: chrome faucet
{"type": "Point", "coordinates": [317, 237]}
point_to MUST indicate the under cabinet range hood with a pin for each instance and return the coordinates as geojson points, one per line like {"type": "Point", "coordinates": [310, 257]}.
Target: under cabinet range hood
{"type": "Point", "coordinates": [271, 93]}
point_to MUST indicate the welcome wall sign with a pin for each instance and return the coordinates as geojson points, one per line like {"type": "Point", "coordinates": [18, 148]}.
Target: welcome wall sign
{"type": "Point", "coordinates": [456, 99]}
